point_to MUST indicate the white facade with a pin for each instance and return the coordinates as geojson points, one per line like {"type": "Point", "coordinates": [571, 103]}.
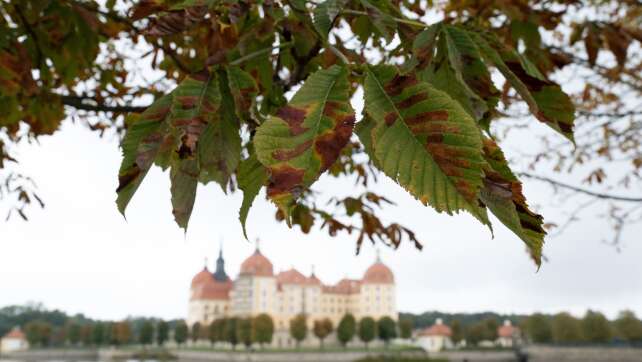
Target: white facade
{"type": "Point", "coordinates": [14, 341]}
{"type": "Point", "coordinates": [435, 338]}
{"type": "Point", "coordinates": [508, 335]}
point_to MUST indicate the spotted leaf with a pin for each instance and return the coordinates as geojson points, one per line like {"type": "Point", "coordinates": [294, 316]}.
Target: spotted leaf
{"type": "Point", "coordinates": [306, 136]}
{"type": "Point", "coordinates": [219, 146]}
{"type": "Point", "coordinates": [243, 89]}
{"type": "Point", "coordinates": [545, 99]}
{"type": "Point", "coordinates": [457, 69]}
{"type": "Point", "coordinates": [141, 147]}
{"type": "Point", "coordinates": [195, 117]}
{"type": "Point", "coordinates": [425, 141]}
{"type": "Point", "coordinates": [502, 193]}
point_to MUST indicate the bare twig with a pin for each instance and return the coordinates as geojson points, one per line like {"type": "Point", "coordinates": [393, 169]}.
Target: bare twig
{"type": "Point", "coordinates": [599, 195]}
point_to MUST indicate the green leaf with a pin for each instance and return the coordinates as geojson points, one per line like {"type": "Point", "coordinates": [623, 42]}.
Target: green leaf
{"type": "Point", "coordinates": [502, 193]}
{"type": "Point", "coordinates": [325, 14]}
{"type": "Point", "coordinates": [219, 146]}
{"type": "Point", "coordinates": [195, 106]}
{"type": "Point", "coordinates": [140, 148]}
{"type": "Point", "coordinates": [457, 69]}
{"type": "Point", "coordinates": [363, 130]}
{"type": "Point", "coordinates": [545, 99]}
{"type": "Point", "coordinates": [305, 137]}
{"type": "Point", "coordinates": [184, 180]}
{"type": "Point", "coordinates": [425, 141]}
{"type": "Point", "coordinates": [243, 88]}
{"type": "Point", "coordinates": [378, 14]}
{"type": "Point", "coordinates": [251, 176]}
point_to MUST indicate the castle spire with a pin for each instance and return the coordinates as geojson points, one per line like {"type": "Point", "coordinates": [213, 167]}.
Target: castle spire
{"type": "Point", "coordinates": [219, 273]}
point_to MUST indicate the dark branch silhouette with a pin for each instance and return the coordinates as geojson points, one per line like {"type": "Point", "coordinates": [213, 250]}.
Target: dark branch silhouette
{"type": "Point", "coordinates": [80, 103]}
{"type": "Point", "coordinates": [599, 195]}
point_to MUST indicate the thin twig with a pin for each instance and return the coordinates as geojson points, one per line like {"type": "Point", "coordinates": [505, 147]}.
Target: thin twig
{"type": "Point", "coordinates": [338, 53]}
{"type": "Point", "coordinates": [260, 52]}
{"type": "Point", "coordinates": [398, 20]}
{"type": "Point", "coordinates": [580, 190]}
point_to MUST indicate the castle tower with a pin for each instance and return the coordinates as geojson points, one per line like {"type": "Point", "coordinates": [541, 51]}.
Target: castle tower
{"type": "Point", "coordinates": [219, 273]}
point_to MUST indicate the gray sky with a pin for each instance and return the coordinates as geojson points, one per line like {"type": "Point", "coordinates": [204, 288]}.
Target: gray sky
{"type": "Point", "coordinates": [80, 255]}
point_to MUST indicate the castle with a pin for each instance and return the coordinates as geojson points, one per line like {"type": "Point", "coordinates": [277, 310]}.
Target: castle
{"type": "Point", "coordinates": [257, 289]}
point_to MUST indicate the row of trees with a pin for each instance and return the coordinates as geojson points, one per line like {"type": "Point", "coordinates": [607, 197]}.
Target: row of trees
{"type": "Point", "coordinates": [594, 327]}
{"type": "Point", "coordinates": [43, 334]}
{"type": "Point", "coordinates": [260, 329]}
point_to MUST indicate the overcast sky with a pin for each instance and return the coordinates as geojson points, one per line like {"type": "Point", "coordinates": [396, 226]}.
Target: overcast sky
{"type": "Point", "coordinates": [80, 255]}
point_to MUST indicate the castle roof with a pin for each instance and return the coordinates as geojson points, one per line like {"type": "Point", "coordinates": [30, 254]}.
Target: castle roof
{"type": "Point", "coordinates": [378, 273]}
{"type": "Point", "coordinates": [201, 277]}
{"type": "Point", "coordinates": [293, 276]}
{"type": "Point", "coordinates": [344, 286]}
{"type": "Point", "coordinates": [15, 333]}
{"type": "Point", "coordinates": [212, 289]}
{"type": "Point", "coordinates": [258, 265]}
{"type": "Point", "coordinates": [507, 330]}
{"type": "Point", "coordinates": [437, 329]}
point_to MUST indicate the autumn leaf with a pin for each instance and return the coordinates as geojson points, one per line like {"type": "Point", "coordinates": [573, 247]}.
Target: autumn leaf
{"type": "Point", "coordinates": [425, 141]}
{"type": "Point", "coordinates": [219, 145]}
{"type": "Point", "coordinates": [502, 194]}
{"type": "Point", "coordinates": [305, 137]}
{"type": "Point", "coordinates": [545, 99]}
{"type": "Point", "coordinates": [457, 69]}
{"type": "Point", "coordinates": [140, 148]}
{"type": "Point", "coordinates": [243, 89]}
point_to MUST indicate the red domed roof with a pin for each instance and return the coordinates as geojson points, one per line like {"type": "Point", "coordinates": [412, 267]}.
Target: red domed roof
{"type": "Point", "coordinates": [15, 333]}
{"type": "Point", "coordinates": [201, 277]}
{"type": "Point", "coordinates": [378, 273]}
{"type": "Point", "coordinates": [257, 265]}
{"type": "Point", "coordinates": [437, 329]}
{"type": "Point", "coordinates": [212, 289]}
{"type": "Point", "coordinates": [507, 330]}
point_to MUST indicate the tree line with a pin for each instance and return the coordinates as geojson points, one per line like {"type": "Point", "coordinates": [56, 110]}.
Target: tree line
{"type": "Point", "coordinates": [46, 328]}
{"type": "Point", "coordinates": [561, 328]}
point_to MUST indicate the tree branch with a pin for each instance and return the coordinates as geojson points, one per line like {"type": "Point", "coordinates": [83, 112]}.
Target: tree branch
{"type": "Point", "coordinates": [79, 103]}
{"type": "Point", "coordinates": [599, 195]}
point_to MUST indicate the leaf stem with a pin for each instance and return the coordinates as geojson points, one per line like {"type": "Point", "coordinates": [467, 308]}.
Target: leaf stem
{"type": "Point", "coordinates": [260, 52]}
{"type": "Point", "coordinates": [399, 20]}
{"type": "Point", "coordinates": [338, 53]}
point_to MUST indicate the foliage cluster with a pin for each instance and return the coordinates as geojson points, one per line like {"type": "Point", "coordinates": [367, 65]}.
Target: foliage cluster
{"type": "Point", "coordinates": [258, 96]}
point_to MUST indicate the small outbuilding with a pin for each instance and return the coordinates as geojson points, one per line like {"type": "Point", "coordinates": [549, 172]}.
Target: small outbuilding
{"type": "Point", "coordinates": [507, 335]}
{"type": "Point", "coordinates": [436, 337]}
{"type": "Point", "coordinates": [15, 340]}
